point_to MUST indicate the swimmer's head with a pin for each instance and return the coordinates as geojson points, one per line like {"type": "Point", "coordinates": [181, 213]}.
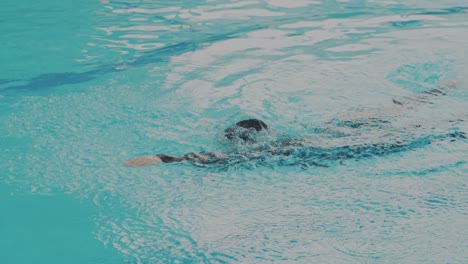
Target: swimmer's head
{"type": "Point", "coordinates": [245, 130]}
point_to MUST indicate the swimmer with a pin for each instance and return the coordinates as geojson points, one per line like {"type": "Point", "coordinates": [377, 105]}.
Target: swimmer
{"type": "Point", "coordinates": [374, 142]}
{"type": "Point", "coordinates": [246, 131]}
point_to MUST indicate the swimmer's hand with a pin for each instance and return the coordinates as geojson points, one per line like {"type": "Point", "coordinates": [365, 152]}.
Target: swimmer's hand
{"type": "Point", "coordinates": [143, 161]}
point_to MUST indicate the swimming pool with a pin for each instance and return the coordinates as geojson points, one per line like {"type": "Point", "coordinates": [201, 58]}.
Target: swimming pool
{"type": "Point", "coordinates": [84, 87]}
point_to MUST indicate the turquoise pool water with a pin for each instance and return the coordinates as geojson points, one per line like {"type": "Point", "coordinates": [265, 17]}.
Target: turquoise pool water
{"type": "Point", "coordinates": [85, 86]}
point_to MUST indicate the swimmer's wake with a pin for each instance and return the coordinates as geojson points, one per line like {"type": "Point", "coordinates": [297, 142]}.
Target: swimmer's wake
{"type": "Point", "coordinates": [301, 151]}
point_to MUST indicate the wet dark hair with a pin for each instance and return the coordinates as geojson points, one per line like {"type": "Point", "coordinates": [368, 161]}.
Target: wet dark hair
{"type": "Point", "coordinates": [244, 129]}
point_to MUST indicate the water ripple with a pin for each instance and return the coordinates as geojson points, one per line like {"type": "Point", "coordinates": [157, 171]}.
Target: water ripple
{"type": "Point", "coordinates": [145, 77]}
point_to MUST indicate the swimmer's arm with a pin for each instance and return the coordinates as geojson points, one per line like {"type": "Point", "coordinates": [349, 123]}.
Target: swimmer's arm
{"type": "Point", "coordinates": [143, 161]}
{"type": "Point", "coordinates": [203, 158]}
{"type": "Point", "coordinates": [426, 96]}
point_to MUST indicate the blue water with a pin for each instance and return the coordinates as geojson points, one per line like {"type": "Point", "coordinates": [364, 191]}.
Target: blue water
{"type": "Point", "coordinates": [85, 86]}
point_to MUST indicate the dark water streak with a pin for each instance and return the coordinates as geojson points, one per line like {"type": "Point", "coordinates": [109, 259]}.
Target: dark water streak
{"type": "Point", "coordinates": [51, 80]}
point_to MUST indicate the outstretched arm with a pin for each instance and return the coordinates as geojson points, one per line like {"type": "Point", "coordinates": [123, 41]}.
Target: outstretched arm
{"type": "Point", "coordinates": [202, 157]}
{"type": "Point", "coordinates": [425, 97]}
{"type": "Point", "coordinates": [142, 161]}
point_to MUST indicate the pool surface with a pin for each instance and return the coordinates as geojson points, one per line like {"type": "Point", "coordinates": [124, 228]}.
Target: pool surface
{"type": "Point", "coordinates": [86, 86]}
